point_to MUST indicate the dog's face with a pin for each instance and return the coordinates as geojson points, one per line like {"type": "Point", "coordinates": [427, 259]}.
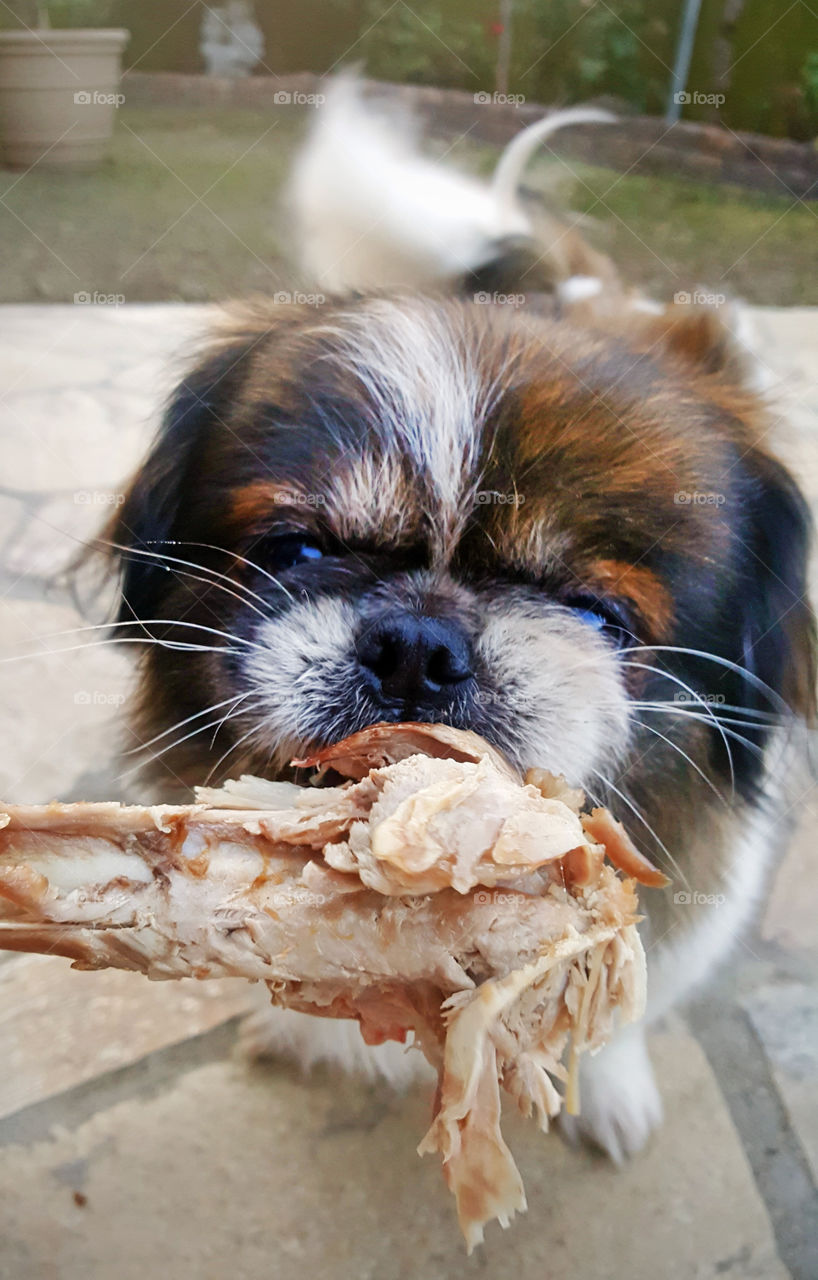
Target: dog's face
{"type": "Point", "coordinates": [564, 539]}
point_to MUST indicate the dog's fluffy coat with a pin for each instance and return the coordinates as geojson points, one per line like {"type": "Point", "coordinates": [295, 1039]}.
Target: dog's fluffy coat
{"type": "Point", "coordinates": [578, 484]}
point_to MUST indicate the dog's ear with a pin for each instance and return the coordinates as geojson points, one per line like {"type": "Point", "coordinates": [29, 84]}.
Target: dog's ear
{"type": "Point", "coordinates": [755, 657]}
{"type": "Point", "coordinates": [768, 630]}
{"type": "Point", "coordinates": [774, 526]}
{"type": "Point", "coordinates": [148, 517]}
{"type": "Point", "coordinates": [717, 339]}
{"type": "Point", "coordinates": [778, 639]}
{"type": "Point", "coordinates": [200, 417]}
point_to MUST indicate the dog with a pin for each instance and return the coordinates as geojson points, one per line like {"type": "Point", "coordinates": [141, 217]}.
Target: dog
{"type": "Point", "coordinates": [481, 482]}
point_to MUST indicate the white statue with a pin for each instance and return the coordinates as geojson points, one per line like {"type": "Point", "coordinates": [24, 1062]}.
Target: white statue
{"type": "Point", "coordinates": [231, 40]}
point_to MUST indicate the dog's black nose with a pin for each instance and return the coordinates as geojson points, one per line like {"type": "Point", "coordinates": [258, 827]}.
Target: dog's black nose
{"type": "Point", "coordinates": [414, 661]}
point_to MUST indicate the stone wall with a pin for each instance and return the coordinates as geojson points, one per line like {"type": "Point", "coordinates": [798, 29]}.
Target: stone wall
{"type": "Point", "coordinates": [638, 144]}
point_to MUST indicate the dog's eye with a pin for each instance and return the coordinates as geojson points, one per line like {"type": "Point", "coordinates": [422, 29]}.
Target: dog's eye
{"type": "Point", "coordinates": [607, 618]}
{"type": "Point", "coordinates": [289, 549]}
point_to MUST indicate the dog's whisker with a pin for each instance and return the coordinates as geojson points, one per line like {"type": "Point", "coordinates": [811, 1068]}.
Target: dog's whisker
{"type": "Point", "coordinates": [671, 708]}
{"type": "Point", "coordinates": [769, 716]}
{"type": "Point", "coordinates": [606, 782]}
{"type": "Point", "coordinates": [253, 729]}
{"type": "Point", "coordinates": [745, 742]}
{"type": "Point", "coordinates": [675, 746]}
{"type": "Point", "coordinates": [234, 555]}
{"type": "Point", "coordinates": [142, 622]}
{"type": "Point", "coordinates": [178, 742]}
{"type": "Point", "coordinates": [640, 666]}
{"type": "Point", "coordinates": [180, 724]}
{"type": "Point", "coordinates": [215, 575]}
{"type": "Point", "coordinates": [179, 645]}
{"type": "Point", "coordinates": [764, 719]}
{"type": "Point", "coordinates": [230, 714]}
{"type": "Point", "coordinates": [689, 711]}
{"type": "Point", "coordinates": [211, 583]}
{"type": "Point", "coordinates": [745, 674]}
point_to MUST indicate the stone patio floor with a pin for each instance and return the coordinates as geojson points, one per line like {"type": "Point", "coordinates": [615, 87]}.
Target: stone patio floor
{"type": "Point", "coordinates": [136, 1141]}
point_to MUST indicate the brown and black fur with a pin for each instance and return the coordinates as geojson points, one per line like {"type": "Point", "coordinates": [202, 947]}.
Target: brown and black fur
{"type": "Point", "coordinates": [569, 492]}
{"type": "Point", "coordinates": [596, 433]}
{"type": "Point", "coordinates": [313, 424]}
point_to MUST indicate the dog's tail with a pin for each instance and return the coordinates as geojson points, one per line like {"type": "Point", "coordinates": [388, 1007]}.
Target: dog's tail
{"type": "Point", "coordinates": [371, 211]}
{"type": "Point", "coordinates": [509, 171]}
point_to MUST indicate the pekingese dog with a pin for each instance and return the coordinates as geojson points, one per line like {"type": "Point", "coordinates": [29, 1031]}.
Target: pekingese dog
{"type": "Point", "coordinates": [480, 482]}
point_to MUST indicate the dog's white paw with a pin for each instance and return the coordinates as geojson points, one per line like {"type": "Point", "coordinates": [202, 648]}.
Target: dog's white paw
{"type": "Point", "coordinates": [270, 1032]}
{"type": "Point", "coordinates": [620, 1106]}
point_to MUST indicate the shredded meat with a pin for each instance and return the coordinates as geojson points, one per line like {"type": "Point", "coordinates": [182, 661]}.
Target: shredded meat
{"type": "Point", "coordinates": [433, 895]}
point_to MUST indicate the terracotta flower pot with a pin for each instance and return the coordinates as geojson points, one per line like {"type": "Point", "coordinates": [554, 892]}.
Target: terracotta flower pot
{"type": "Point", "coordinates": [59, 91]}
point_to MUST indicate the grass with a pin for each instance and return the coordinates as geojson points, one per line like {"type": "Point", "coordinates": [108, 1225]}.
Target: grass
{"type": "Point", "coordinates": [670, 233]}
{"type": "Point", "coordinates": [185, 209]}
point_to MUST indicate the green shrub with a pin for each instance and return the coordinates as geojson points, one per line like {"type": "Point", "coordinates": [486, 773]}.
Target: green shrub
{"type": "Point", "coordinates": [56, 13]}
{"type": "Point", "coordinates": [449, 45]}
{"type": "Point", "coordinates": [809, 81]}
